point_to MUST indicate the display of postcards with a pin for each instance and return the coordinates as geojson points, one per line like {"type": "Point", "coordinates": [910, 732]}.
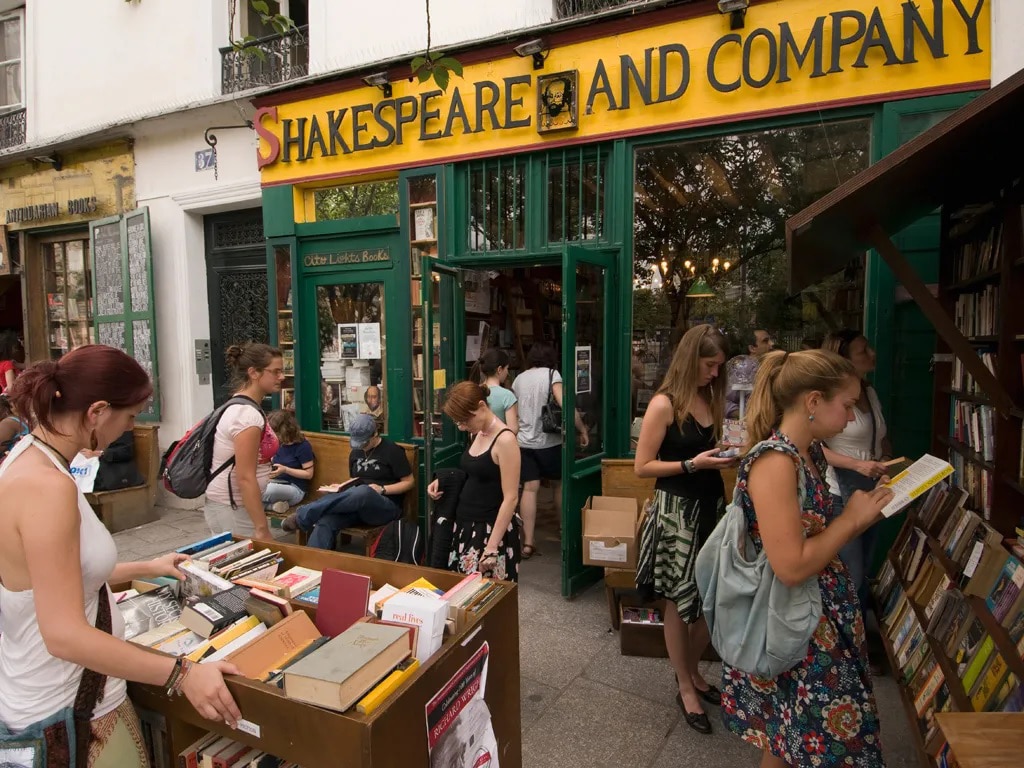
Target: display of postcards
{"type": "Point", "coordinates": [288, 399]}
{"type": "Point", "coordinates": [284, 330]}
{"type": "Point", "coordinates": [288, 356]}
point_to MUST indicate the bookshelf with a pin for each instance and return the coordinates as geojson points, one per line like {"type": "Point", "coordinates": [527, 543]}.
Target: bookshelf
{"type": "Point", "coordinates": [423, 242]}
{"type": "Point", "coordinates": [977, 424]}
{"type": "Point", "coordinates": [285, 322]}
{"type": "Point", "coordinates": [950, 613]}
{"type": "Point", "coordinates": [67, 280]}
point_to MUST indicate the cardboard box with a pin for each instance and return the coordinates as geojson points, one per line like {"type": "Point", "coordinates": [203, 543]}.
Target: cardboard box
{"type": "Point", "coordinates": [611, 532]}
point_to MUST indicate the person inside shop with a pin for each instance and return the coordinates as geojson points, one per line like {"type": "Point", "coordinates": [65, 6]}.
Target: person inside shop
{"type": "Point", "coordinates": [541, 451]}
{"type": "Point", "coordinates": [822, 712]}
{"type": "Point", "coordinates": [758, 343]}
{"type": "Point", "coordinates": [485, 537]}
{"type": "Point", "coordinates": [61, 638]}
{"type": "Point", "coordinates": [12, 359]}
{"type": "Point", "coordinates": [291, 469]}
{"type": "Point", "coordinates": [234, 498]}
{"type": "Point", "coordinates": [373, 402]}
{"type": "Point", "coordinates": [855, 456]}
{"type": "Point", "coordinates": [491, 370]}
{"type": "Point", "coordinates": [379, 477]}
{"type": "Point", "coordinates": [12, 426]}
{"type": "Point", "coordinates": [678, 444]}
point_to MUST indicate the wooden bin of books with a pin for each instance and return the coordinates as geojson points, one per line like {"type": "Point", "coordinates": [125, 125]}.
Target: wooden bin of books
{"type": "Point", "coordinates": [396, 732]}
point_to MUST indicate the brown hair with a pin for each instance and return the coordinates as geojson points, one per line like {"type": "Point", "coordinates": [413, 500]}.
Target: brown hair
{"type": "Point", "coordinates": [782, 377]}
{"type": "Point", "coordinates": [840, 341]}
{"type": "Point", "coordinates": [488, 364]}
{"type": "Point", "coordinates": [86, 375]}
{"type": "Point", "coordinates": [463, 400]}
{"type": "Point", "coordinates": [285, 426]}
{"type": "Point", "coordinates": [240, 358]}
{"type": "Point", "coordinates": [680, 383]}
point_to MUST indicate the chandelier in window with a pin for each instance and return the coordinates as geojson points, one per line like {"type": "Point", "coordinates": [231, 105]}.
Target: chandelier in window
{"type": "Point", "coordinates": [694, 269]}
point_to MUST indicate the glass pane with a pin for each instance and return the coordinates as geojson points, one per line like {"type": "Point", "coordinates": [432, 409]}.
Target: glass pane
{"type": "Point", "coordinates": [10, 39]}
{"type": "Point", "coordinates": [423, 233]}
{"type": "Point", "coordinates": [10, 84]}
{"type": "Point", "coordinates": [497, 205]}
{"type": "Point", "coordinates": [710, 240]}
{"type": "Point", "coordinates": [575, 197]}
{"type": "Point", "coordinates": [353, 354]}
{"type": "Point", "coordinates": [285, 330]}
{"type": "Point", "coordinates": [353, 201]}
{"type": "Point", "coordinates": [588, 374]}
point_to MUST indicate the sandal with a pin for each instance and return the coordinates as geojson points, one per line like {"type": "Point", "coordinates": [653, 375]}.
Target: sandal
{"type": "Point", "coordinates": [529, 551]}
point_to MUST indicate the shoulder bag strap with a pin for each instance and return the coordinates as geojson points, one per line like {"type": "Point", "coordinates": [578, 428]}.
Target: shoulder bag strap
{"type": "Point", "coordinates": [551, 384]}
{"type": "Point", "coordinates": [90, 688]}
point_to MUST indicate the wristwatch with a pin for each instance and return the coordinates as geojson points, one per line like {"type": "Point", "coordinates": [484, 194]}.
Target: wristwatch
{"type": "Point", "coordinates": [689, 466]}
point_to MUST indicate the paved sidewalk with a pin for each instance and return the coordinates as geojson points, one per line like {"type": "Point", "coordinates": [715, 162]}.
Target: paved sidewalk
{"type": "Point", "coordinates": [583, 704]}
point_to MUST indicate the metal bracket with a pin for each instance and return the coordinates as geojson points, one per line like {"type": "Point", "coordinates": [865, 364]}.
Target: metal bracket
{"type": "Point", "coordinates": [211, 139]}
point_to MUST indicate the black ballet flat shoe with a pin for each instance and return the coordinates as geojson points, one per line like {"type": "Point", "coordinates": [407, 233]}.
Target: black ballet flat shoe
{"type": "Point", "coordinates": [698, 721]}
{"type": "Point", "coordinates": [712, 695]}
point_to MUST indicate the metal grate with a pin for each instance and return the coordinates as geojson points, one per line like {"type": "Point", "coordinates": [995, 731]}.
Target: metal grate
{"type": "Point", "coordinates": [576, 181]}
{"type": "Point", "coordinates": [266, 61]}
{"type": "Point", "coordinates": [566, 9]}
{"type": "Point", "coordinates": [241, 233]}
{"type": "Point", "coordinates": [12, 129]}
{"type": "Point", "coordinates": [497, 205]}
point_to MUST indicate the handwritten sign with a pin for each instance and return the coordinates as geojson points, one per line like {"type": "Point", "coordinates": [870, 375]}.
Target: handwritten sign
{"type": "Point", "coordinates": [367, 256]}
{"type": "Point", "coordinates": [138, 263]}
{"type": "Point", "coordinates": [107, 263]}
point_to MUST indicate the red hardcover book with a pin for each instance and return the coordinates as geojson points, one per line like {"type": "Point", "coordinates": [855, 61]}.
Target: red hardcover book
{"type": "Point", "coordinates": [343, 600]}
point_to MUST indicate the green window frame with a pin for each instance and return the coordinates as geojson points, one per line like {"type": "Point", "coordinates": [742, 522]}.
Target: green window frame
{"type": "Point", "coordinates": [124, 313]}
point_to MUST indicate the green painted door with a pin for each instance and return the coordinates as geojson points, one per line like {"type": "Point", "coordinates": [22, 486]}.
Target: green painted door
{"type": "Point", "coordinates": [588, 278]}
{"type": "Point", "coordinates": [902, 337]}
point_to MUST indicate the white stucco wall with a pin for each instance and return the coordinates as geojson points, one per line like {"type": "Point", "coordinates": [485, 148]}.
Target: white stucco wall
{"type": "Point", "coordinates": [94, 63]}
{"type": "Point", "coordinates": [345, 35]}
{"type": "Point", "coordinates": [178, 197]}
{"type": "Point", "coordinates": [1007, 29]}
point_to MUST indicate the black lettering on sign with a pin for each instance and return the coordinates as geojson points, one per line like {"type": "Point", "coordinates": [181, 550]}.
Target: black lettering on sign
{"type": "Point", "coordinates": [971, 24]}
{"type": "Point", "coordinates": [788, 45]}
{"type": "Point", "coordinates": [316, 136]}
{"type": "Point", "coordinates": [718, 85]}
{"type": "Point", "coordinates": [487, 105]}
{"type": "Point", "coordinates": [401, 118]}
{"type": "Point", "coordinates": [664, 54]}
{"type": "Point", "coordinates": [913, 24]}
{"type": "Point", "coordinates": [876, 36]}
{"type": "Point", "coordinates": [296, 140]}
{"type": "Point", "coordinates": [510, 101]}
{"type": "Point", "coordinates": [427, 114]}
{"type": "Point", "coordinates": [383, 122]}
{"type": "Point", "coordinates": [601, 85]}
{"type": "Point", "coordinates": [631, 77]}
{"type": "Point", "coordinates": [457, 111]}
{"type": "Point", "coordinates": [334, 121]}
{"type": "Point", "coordinates": [773, 58]}
{"type": "Point", "coordinates": [839, 40]}
{"type": "Point", "coordinates": [359, 127]}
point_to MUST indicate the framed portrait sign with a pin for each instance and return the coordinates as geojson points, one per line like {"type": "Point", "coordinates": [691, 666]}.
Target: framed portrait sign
{"type": "Point", "coordinates": [558, 105]}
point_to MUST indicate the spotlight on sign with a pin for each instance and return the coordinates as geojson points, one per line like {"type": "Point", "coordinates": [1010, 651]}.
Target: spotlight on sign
{"type": "Point", "coordinates": [736, 10]}
{"type": "Point", "coordinates": [379, 80]}
{"type": "Point", "coordinates": [534, 49]}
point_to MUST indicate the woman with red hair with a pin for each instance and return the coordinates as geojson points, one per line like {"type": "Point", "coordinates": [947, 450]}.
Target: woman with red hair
{"type": "Point", "coordinates": [62, 651]}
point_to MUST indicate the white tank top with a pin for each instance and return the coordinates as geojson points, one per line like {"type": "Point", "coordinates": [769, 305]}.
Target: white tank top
{"type": "Point", "coordinates": [34, 684]}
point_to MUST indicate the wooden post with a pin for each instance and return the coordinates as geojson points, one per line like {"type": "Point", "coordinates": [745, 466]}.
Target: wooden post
{"type": "Point", "coordinates": [936, 315]}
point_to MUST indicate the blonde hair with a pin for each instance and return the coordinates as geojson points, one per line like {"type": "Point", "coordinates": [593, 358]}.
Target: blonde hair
{"type": "Point", "coordinates": [680, 384]}
{"type": "Point", "coordinates": [782, 377]}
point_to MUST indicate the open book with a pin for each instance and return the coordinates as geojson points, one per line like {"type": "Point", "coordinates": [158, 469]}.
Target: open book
{"type": "Point", "coordinates": [339, 487]}
{"type": "Point", "coordinates": [915, 480]}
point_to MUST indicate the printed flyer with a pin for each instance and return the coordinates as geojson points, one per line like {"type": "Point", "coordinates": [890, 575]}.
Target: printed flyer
{"type": "Point", "coordinates": [459, 730]}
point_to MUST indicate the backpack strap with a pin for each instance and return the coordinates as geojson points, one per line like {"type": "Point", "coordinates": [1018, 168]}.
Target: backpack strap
{"type": "Point", "coordinates": [774, 444]}
{"type": "Point", "coordinates": [236, 400]}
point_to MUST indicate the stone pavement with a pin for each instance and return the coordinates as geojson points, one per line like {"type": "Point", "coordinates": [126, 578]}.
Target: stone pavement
{"type": "Point", "coordinates": [583, 704]}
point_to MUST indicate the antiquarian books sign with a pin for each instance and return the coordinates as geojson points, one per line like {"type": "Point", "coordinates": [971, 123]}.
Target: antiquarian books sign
{"type": "Point", "coordinates": [790, 56]}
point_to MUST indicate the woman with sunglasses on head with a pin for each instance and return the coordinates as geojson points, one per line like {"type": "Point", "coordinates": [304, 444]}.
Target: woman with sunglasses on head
{"type": "Point", "coordinates": [61, 637]}
{"type": "Point", "coordinates": [485, 537]}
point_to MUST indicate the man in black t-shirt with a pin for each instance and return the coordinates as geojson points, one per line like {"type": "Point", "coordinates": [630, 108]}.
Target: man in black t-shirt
{"type": "Point", "coordinates": [380, 477]}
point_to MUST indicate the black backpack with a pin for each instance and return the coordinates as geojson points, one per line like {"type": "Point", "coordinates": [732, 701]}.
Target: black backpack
{"type": "Point", "coordinates": [400, 542]}
{"type": "Point", "coordinates": [186, 468]}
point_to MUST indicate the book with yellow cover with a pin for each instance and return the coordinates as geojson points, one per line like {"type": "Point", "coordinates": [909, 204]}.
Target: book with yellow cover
{"type": "Point", "coordinates": [221, 639]}
{"type": "Point", "coordinates": [387, 686]}
{"type": "Point", "coordinates": [914, 481]}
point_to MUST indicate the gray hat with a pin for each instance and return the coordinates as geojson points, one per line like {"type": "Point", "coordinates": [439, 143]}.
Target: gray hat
{"type": "Point", "coordinates": [363, 428]}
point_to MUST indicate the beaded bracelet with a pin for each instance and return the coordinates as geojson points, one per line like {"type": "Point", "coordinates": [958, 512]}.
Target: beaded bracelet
{"type": "Point", "coordinates": [182, 666]}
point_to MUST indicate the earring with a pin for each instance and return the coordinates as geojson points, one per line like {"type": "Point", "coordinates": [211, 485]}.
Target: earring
{"type": "Point", "coordinates": [810, 417]}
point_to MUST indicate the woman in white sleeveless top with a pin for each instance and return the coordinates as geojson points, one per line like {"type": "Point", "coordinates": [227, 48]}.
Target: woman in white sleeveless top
{"type": "Point", "coordinates": [56, 556]}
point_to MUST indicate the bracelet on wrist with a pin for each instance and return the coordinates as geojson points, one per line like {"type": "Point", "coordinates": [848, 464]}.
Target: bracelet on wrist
{"type": "Point", "coordinates": [173, 684]}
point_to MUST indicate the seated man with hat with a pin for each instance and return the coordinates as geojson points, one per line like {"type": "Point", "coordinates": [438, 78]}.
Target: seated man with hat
{"type": "Point", "coordinates": [380, 477]}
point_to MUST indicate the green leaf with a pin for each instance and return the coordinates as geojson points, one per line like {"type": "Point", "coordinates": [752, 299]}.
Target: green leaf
{"type": "Point", "coordinates": [260, 6]}
{"type": "Point", "coordinates": [417, 64]}
{"type": "Point", "coordinates": [451, 64]}
{"type": "Point", "coordinates": [425, 74]}
{"type": "Point", "coordinates": [441, 78]}
{"type": "Point", "coordinates": [435, 55]}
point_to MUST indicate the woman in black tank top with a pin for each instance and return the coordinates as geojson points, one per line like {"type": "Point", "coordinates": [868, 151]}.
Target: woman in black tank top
{"type": "Point", "coordinates": [677, 446]}
{"type": "Point", "coordinates": [485, 537]}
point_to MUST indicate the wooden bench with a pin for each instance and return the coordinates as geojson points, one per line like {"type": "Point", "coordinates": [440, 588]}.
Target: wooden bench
{"type": "Point", "coordinates": [331, 453]}
{"type": "Point", "coordinates": [129, 507]}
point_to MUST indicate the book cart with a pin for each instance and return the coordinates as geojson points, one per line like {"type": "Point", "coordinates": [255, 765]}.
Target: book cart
{"type": "Point", "coordinates": [395, 733]}
{"type": "Point", "coordinates": [971, 167]}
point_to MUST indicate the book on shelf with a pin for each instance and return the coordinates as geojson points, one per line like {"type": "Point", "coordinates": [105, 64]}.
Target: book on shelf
{"type": "Point", "coordinates": [343, 600]}
{"type": "Point", "coordinates": [148, 611]}
{"type": "Point", "coordinates": [273, 649]}
{"type": "Point", "coordinates": [266, 606]}
{"type": "Point", "coordinates": [230, 634]}
{"type": "Point", "coordinates": [380, 692]}
{"type": "Point", "coordinates": [207, 615]}
{"type": "Point", "coordinates": [914, 481]}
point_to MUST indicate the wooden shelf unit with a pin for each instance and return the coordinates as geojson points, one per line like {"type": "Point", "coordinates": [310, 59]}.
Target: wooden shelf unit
{"type": "Point", "coordinates": [395, 733]}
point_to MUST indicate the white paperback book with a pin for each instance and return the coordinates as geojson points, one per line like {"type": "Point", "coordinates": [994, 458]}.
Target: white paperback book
{"type": "Point", "coordinates": [423, 612]}
{"type": "Point", "coordinates": [914, 481]}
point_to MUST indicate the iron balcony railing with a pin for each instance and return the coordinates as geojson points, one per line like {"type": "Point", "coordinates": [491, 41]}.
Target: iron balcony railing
{"type": "Point", "coordinates": [567, 9]}
{"type": "Point", "coordinates": [12, 129]}
{"type": "Point", "coordinates": [266, 61]}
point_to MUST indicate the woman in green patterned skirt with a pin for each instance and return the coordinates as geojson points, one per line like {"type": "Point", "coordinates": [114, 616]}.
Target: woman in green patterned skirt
{"type": "Point", "coordinates": [678, 442]}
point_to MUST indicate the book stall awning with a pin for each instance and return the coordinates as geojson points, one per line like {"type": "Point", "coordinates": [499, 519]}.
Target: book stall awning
{"type": "Point", "coordinates": [974, 149]}
{"type": "Point", "coordinates": [970, 154]}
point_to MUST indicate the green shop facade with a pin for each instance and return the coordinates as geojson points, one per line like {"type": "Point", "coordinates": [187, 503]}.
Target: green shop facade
{"type": "Point", "coordinates": [632, 179]}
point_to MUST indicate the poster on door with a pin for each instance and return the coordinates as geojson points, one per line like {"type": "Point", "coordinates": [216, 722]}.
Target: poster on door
{"type": "Point", "coordinates": [459, 730]}
{"type": "Point", "coordinates": [583, 370]}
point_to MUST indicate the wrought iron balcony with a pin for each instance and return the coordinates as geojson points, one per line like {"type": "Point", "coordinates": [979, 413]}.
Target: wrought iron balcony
{"type": "Point", "coordinates": [12, 129]}
{"type": "Point", "coordinates": [567, 9]}
{"type": "Point", "coordinates": [266, 61]}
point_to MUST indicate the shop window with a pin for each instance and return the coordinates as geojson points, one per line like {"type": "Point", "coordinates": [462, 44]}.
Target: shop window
{"type": "Point", "coordinates": [497, 205]}
{"type": "Point", "coordinates": [353, 354]}
{"type": "Point", "coordinates": [355, 201]}
{"type": "Point", "coordinates": [576, 197]}
{"type": "Point", "coordinates": [709, 239]}
{"type": "Point", "coordinates": [68, 282]}
{"type": "Point", "coordinates": [12, 78]}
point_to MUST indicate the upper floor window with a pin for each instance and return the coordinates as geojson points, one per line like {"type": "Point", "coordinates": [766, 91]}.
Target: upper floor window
{"type": "Point", "coordinates": [12, 73]}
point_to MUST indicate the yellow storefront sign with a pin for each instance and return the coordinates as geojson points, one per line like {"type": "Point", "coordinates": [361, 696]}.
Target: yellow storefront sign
{"type": "Point", "coordinates": [791, 56]}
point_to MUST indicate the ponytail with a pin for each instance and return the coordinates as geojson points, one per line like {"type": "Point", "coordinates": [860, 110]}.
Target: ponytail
{"type": "Point", "coordinates": [763, 412]}
{"type": "Point", "coordinates": [488, 364]}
